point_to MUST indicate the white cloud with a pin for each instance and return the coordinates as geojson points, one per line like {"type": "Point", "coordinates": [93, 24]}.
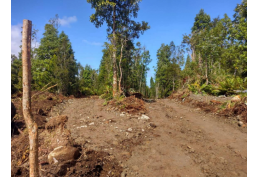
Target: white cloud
{"type": "Point", "coordinates": [65, 21]}
{"type": "Point", "coordinates": [92, 43]}
{"type": "Point", "coordinates": [16, 38]}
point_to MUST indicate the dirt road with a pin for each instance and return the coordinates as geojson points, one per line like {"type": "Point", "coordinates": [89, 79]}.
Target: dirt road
{"type": "Point", "coordinates": [177, 140]}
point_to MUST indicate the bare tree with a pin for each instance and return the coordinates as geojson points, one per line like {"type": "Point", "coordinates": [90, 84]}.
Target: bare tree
{"type": "Point", "coordinates": [26, 101]}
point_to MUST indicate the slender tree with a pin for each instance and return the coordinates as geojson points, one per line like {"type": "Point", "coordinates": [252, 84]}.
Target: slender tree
{"type": "Point", "coordinates": [26, 101]}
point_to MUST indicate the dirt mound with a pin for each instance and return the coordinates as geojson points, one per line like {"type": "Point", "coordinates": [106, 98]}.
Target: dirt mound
{"type": "Point", "coordinates": [239, 109]}
{"type": "Point", "coordinates": [213, 104]}
{"type": "Point", "coordinates": [205, 106]}
{"type": "Point", "coordinates": [56, 121]}
{"type": "Point", "coordinates": [41, 105]}
{"type": "Point", "coordinates": [90, 164]}
{"type": "Point", "coordinates": [179, 95]}
{"type": "Point", "coordinates": [131, 105]}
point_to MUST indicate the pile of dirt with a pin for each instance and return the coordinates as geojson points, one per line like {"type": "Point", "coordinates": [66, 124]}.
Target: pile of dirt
{"type": "Point", "coordinates": [53, 134]}
{"type": "Point", "coordinates": [88, 163]}
{"type": "Point", "coordinates": [239, 109]}
{"type": "Point", "coordinates": [211, 104]}
{"type": "Point", "coordinates": [205, 106]}
{"type": "Point", "coordinates": [41, 105]}
{"type": "Point", "coordinates": [131, 105]}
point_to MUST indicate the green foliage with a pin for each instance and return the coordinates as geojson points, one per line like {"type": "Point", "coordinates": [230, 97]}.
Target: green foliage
{"type": "Point", "coordinates": [106, 96]}
{"type": "Point", "coordinates": [54, 62]}
{"type": "Point", "coordinates": [170, 58]}
{"type": "Point", "coordinates": [227, 86]}
{"type": "Point", "coordinates": [195, 88]}
{"type": "Point", "coordinates": [230, 84]}
{"type": "Point", "coordinates": [152, 88]}
{"type": "Point", "coordinates": [202, 20]}
{"type": "Point", "coordinates": [16, 74]}
{"type": "Point", "coordinates": [121, 30]}
{"type": "Point", "coordinates": [218, 50]}
{"type": "Point", "coordinates": [105, 103]}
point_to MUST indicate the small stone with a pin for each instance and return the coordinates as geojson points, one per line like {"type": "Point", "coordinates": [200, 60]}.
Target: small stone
{"type": "Point", "coordinates": [153, 125]}
{"type": "Point", "coordinates": [240, 123]}
{"type": "Point", "coordinates": [130, 129]}
{"type": "Point", "coordinates": [92, 123]}
{"type": "Point", "coordinates": [144, 117]}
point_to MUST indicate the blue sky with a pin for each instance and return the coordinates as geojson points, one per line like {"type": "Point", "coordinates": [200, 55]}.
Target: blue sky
{"type": "Point", "coordinates": [169, 20]}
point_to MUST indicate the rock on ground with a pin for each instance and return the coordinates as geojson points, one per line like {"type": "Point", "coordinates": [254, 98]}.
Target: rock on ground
{"type": "Point", "coordinates": [63, 153]}
{"type": "Point", "coordinates": [236, 98]}
{"type": "Point", "coordinates": [144, 117]}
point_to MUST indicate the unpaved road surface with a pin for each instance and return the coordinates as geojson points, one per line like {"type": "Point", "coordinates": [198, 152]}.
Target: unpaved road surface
{"type": "Point", "coordinates": [177, 140]}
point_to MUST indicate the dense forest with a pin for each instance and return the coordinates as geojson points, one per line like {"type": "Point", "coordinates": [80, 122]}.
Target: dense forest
{"type": "Point", "coordinates": [212, 59]}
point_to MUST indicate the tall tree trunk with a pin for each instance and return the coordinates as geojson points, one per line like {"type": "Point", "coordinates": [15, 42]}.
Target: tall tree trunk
{"type": "Point", "coordinates": [200, 61]}
{"type": "Point", "coordinates": [173, 83]}
{"type": "Point", "coordinates": [157, 91]}
{"type": "Point", "coordinates": [206, 72]}
{"type": "Point", "coordinates": [120, 67]}
{"type": "Point", "coordinates": [193, 54]}
{"type": "Point", "coordinates": [114, 54]}
{"type": "Point", "coordinates": [26, 101]}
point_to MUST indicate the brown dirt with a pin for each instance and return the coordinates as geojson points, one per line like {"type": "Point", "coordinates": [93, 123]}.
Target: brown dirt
{"type": "Point", "coordinates": [213, 104]}
{"type": "Point", "coordinates": [177, 140]}
{"type": "Point", "coordinates": [131, 105]}
{"type": "Point", "coordinates": [41, 106]}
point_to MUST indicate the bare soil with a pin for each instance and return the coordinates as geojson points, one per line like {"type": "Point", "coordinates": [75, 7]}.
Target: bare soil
{"type": "Point", "coordinates": [178, 140]}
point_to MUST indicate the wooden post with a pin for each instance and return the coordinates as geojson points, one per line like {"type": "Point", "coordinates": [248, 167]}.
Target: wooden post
{"type": "Point", "coordinates": [26, 99]}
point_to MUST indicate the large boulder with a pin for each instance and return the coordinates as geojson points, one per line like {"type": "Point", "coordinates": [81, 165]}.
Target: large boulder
{"type": "Point", "coordinates": [13, 111]}
{"type": "Point", "coordinates": [63, 153]}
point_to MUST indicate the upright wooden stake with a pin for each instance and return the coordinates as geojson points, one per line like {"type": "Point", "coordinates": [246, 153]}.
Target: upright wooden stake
{"type": "Point", "coordinates": [26, 99]}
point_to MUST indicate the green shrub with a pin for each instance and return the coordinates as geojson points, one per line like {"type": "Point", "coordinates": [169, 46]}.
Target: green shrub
{"type": "Point", "coordinates": [105, 103]}
{"type": "Point", "coordinates": [195, 88]}
{"type": "Point", "coordinates": [232, 83]}
{"type": "Point", "coordinates": [106, 96]}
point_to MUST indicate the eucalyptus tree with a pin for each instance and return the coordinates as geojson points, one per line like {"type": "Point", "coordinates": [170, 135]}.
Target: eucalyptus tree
{"type": "Point", "coordinates": [117, 15]}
